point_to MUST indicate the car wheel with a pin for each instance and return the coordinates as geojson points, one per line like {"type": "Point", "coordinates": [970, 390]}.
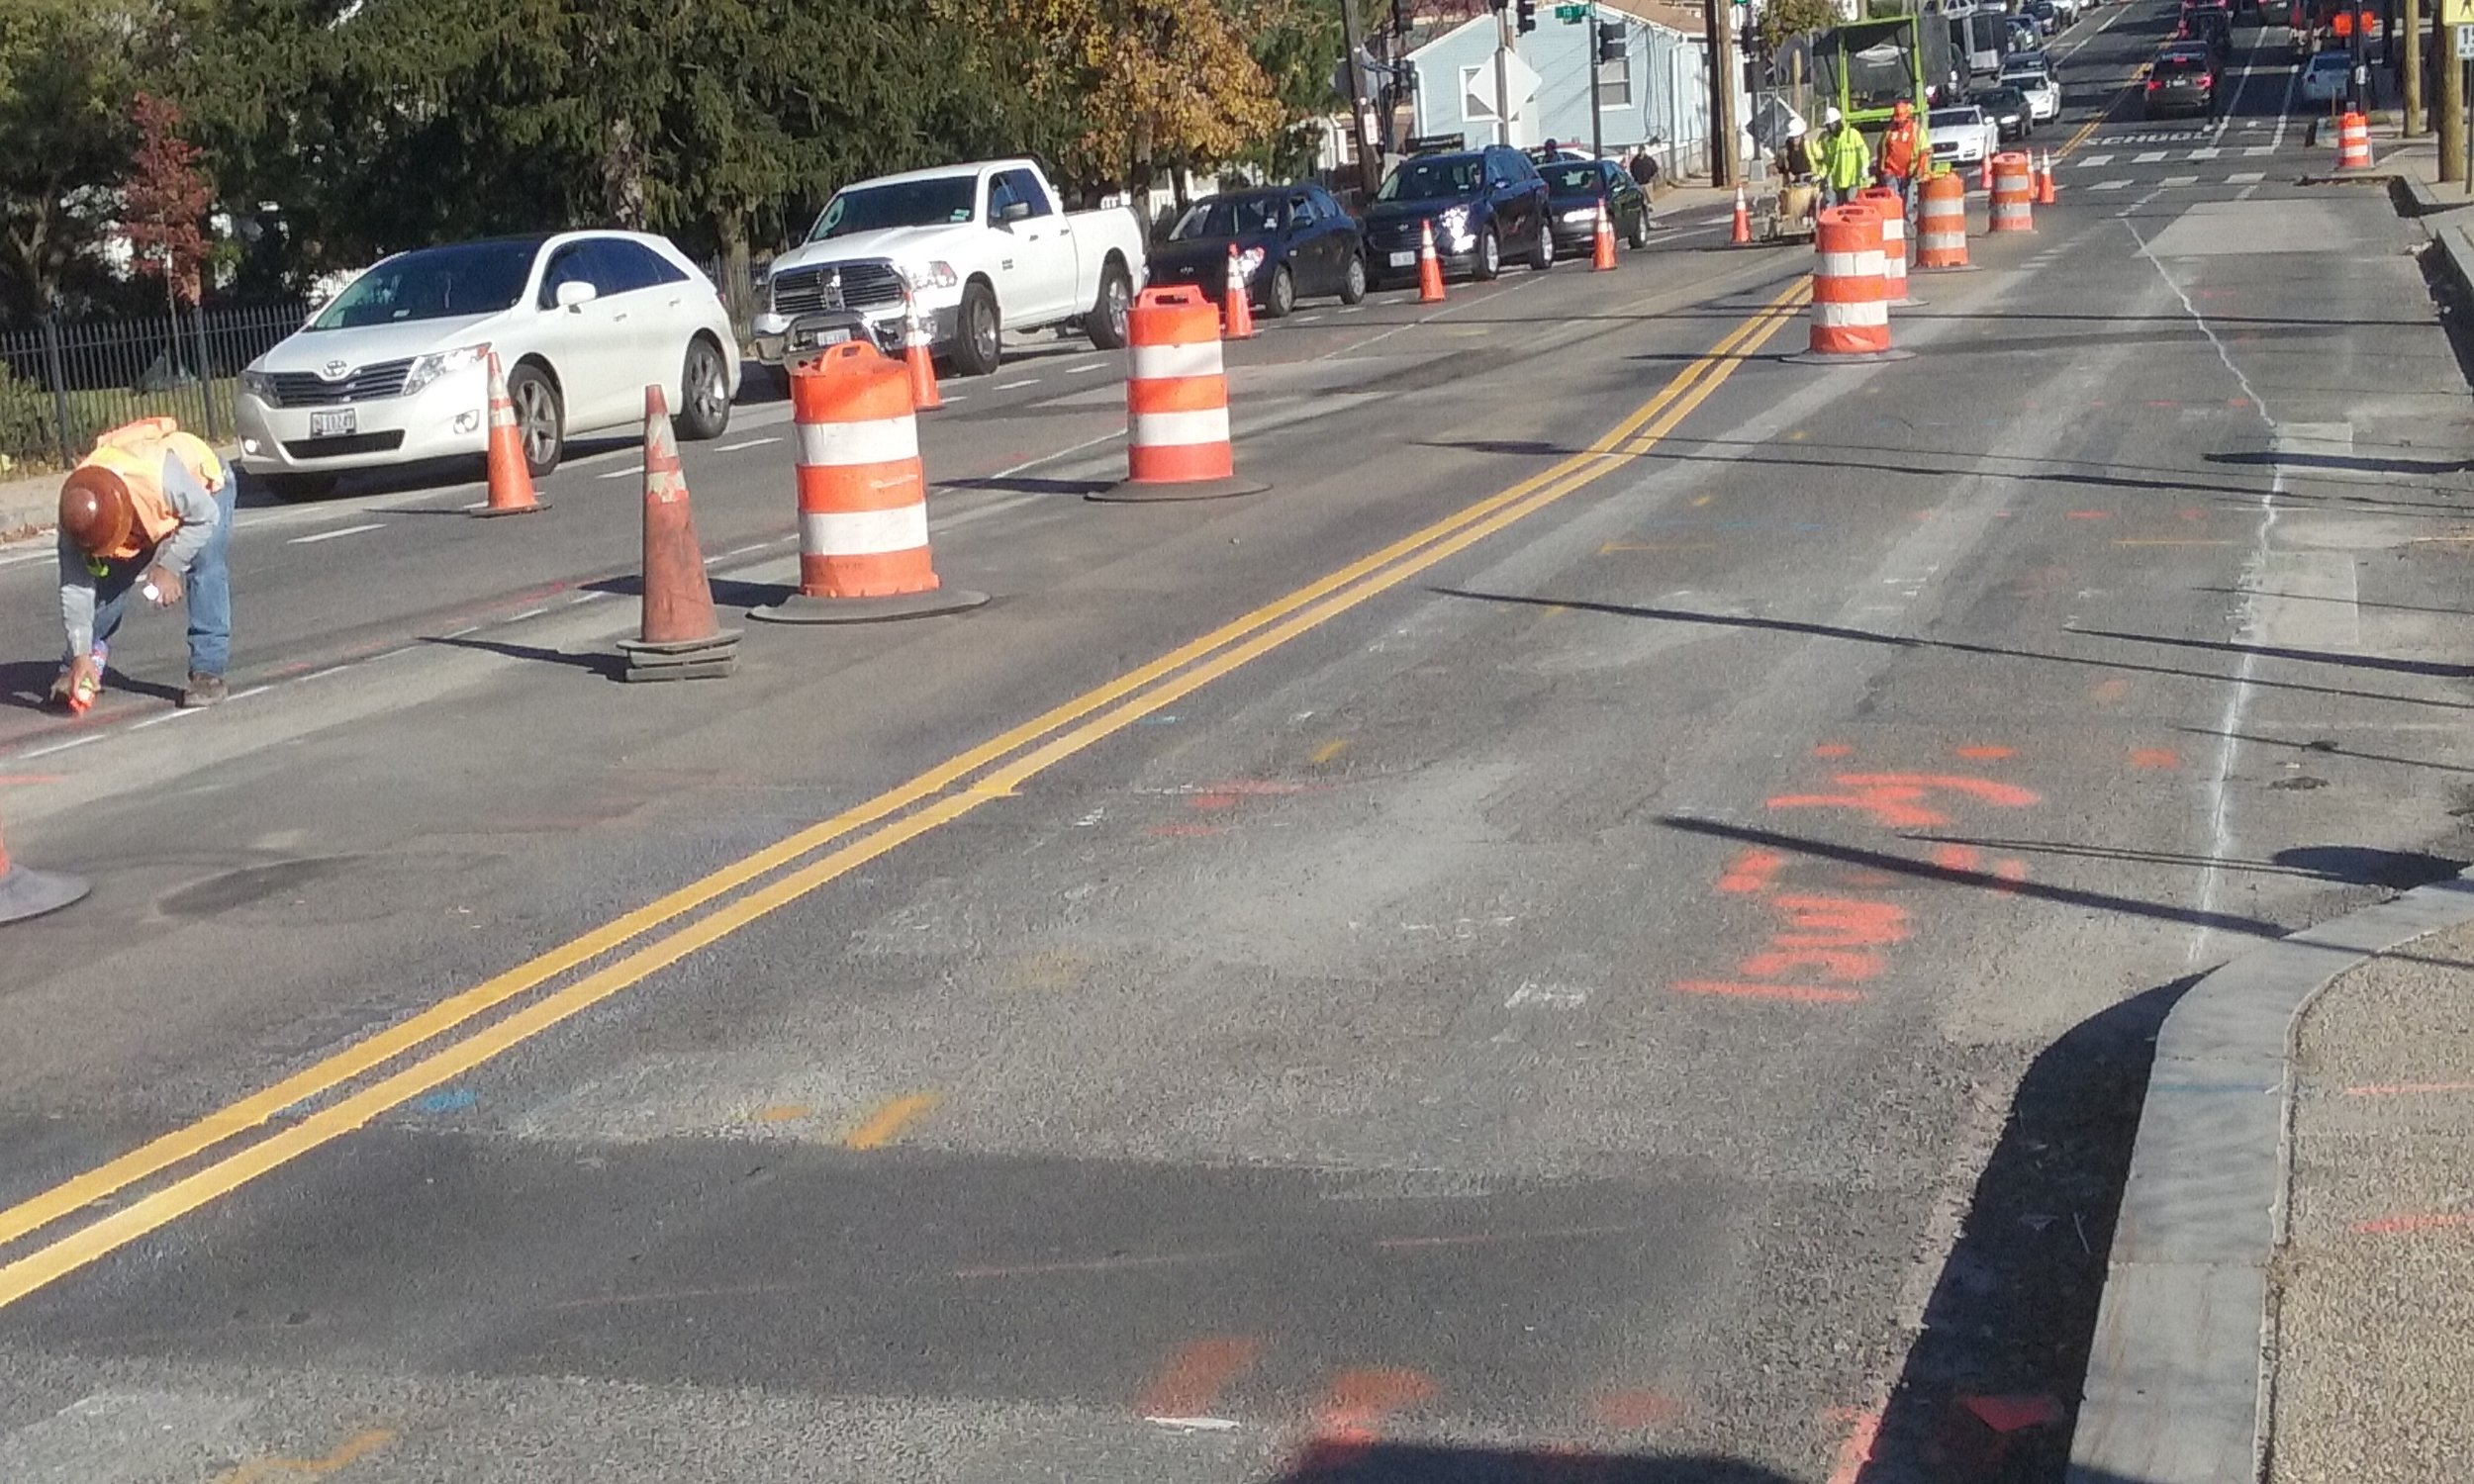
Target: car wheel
{"type": "Point", "coordinates": [1490, 254]}
{"type": "Point", "coordinates": [1352, 283]}
{"type": "Point", "coordinates": [1105, 326]}
{"type": "Point", "coordinates": [703, 393]}
{"type": "Point", "coordinates": [292, 487]}
{"type": "Point", "coordinates": [540, 418]}
{"type": "Point", "coordinates": [1542, 256]}
{"type": "Point", "coordinates": [1279, 296]}
{"type": "Point", "coordinates": [1639, 236]}
{"type": "Point", "coordinates": [979, 338]}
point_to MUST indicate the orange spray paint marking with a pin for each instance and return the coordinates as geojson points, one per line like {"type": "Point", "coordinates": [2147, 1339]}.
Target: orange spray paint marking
{"type": "Point", "coordinates": [1839, 922]}
{"type": "Point", "coordinates": [2090, 514]}
{"type": "Point", "coordinates": [2400, 1089]}
{"type": "Point", "coordinates": [2154, 757]}
{"type": "Point", "coordinates": [1833, 750]}
{"type": "Point", "coordinates": [1634, 1411]}
{"type": "Point", "coordinates": [1799, 994]}
{"type": "Point", "coordinates": [1753, 870]}
{"type": "Point", "coordinates": [1842, 965]}
{"type": "Point", "coordinates": [1957, 858]}
{"type": "Point", "coordinates": [1856, 1451]}
{"type": "Point", "coordinates": [1354, 1411]}
{"type": "Point", "coordinates": [2109, 691]}
{"type": "Point", "coordinates": [1896, 801]}
{"type": "Point", "coordinates": [1191, 1381]}
{"type": "Point", "coordinates": [1986, 753]}
{"type": "Point", "coordinates": [2426, 1221]}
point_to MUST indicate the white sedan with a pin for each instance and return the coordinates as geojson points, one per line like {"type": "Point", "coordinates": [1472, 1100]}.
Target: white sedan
{"type": "Point", "coordinates": [2324, 77]}
{"type": "Point", "coordinates": [395, 370]}
{"type": "Point", "coordinates": [2044, 93]}
{"type": "Point", "coordinates": [1962, 135]}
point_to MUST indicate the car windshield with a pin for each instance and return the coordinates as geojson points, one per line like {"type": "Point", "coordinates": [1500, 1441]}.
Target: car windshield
{"type": "Point", "coordinates": [2328, 61]}
{"type": "Point", "coordinates": [1572, 180]}
{"type": "Point", "coordinates": [1445, 175]}
{"type": "Point", "coordinates": [943, 202]}
{"type": "Point", "coordinates": [1953, 117]}
{"type": "Point", "coordinates": [2023, 77]}
{"type": "Point", "coordinates": [2007, 100]}
{"type": "Point", "coordinates": [1227, 217]}
{"type": "Point", "coordinates": [435, 283]}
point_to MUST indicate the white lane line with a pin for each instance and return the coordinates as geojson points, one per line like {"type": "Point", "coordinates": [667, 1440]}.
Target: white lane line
{"type": "Point", "coordinates": [745, 444]}
{"type": "Point", "coordinates": [2246, 177]}
{"type": "Point", "coordinates": [2284, 110]}
{"type": "Point", "coordinates": [950, 397]}
{"type": "Point", "coordinates": [245, 695]}
{"type": "Point", "coordinates": [2095, 159]}
{"type": "Point", "coordinates": [2176, 182]}
{"type": "Point", "coordinates": [526, 613]}
{"type": "Point", "coordinates": [2209, 152]}
{"type": "Point", "coordinates": [330, 536]}
{"type": "Point", "coordinates": [1007, 386]}
{"type": "Point", "coordinates": [472, 628]}
{"type": "Point", "coordinates": [2111, 16]}
{"type": "Point", "coordinates": [1353, 309]}
{"type": "Point", "coordinates": [2111, 185]}
{"type": "Point", "coordinates": [1086, 370]}
{"type": "Point", "coordinates": [173, 715]}
{"type": "Point", "coordinates": [2147, 156]}
{"type": "Point", "coordinates": [622, 473]}
{"type": "Point", "coordinates": [45, 752]}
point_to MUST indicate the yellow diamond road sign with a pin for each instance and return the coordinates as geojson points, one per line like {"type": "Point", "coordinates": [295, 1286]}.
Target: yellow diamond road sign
{"type": "Point", "coordinates": [2456, 12]}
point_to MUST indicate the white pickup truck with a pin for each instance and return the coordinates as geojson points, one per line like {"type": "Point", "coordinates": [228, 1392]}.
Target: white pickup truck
{"type": "Point", "coordinates": [984, 248]}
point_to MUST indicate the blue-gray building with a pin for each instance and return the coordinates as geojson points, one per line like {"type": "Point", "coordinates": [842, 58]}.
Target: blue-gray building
{"type": "Point", "coordinates": [1658, 95]}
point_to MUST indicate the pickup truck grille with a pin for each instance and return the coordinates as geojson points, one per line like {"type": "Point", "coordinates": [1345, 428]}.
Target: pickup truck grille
{"type": "Point", "coordinates": [309, 389]}
{"type": "Point", "coordinates": [864, 286]}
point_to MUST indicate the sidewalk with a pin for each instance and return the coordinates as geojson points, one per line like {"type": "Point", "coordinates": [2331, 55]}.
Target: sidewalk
{"type": "Point", "coordinates": [28, 506]}
{"type": "Point", "coordinates": [2373, 1295]}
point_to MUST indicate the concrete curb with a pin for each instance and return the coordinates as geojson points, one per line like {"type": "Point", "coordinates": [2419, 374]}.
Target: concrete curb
{"type": "Point", "coordinates": [2456, 257]}
{"type": "Point", "coordinates": [2415, 197]}
{"type": "Point", "coordinates": [2178, 1378]}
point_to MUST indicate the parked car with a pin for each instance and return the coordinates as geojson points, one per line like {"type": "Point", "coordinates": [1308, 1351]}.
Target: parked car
{"type": "Point", "coordinates": [1292, 242]}
{"type": "Point", "coordinates": [394, 369]}
{"type": "Point", "coordinates": [2046, 17]}
{"type": "Point", "coordinates": [2009, 111]}
{"type": "Point", "coordinates": [981, 248]}
{"type": "Point", "coordinates": [2183, 79]}
{"type": "Point", "coordinates": [2324, 77]}
{"type": "Point", "coordinates": [1962, 135]}
{"type": "Point", "coordinates": [1573, 190]}
{"type": "Point", "coordinates": [2023, 35]}
{"type": "Point", "coordinates": [1484, 203]}
{"type": "Point", "coordinates": [2044, 94]}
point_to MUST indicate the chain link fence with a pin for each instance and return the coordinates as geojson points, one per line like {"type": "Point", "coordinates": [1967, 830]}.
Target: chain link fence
{"type": "Point", "coordinates": [68, 379]}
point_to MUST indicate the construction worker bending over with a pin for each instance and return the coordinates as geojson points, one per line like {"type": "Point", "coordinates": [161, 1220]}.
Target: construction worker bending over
{"type": "Point", "coordinates": [149, 510]}
{"type": "Point", "coordinates": [1846, 161]}
{"type": "Point", "coordinates": [1905, 154]}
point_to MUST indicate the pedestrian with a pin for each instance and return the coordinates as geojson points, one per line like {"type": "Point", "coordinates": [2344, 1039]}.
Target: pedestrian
{"type": "Point", "coordinates": [150, 510]}
{"type": "Point", "coordinates": [1904, 152]}
{"type": "Point", "coordinates": [1796, 155]}
{"type": "Point", "coordinates": [1643, 166]}
{"type": "Point", "coordinates": [1846, 159]}
{"type": "Point", "coordinates": [1550, 152]}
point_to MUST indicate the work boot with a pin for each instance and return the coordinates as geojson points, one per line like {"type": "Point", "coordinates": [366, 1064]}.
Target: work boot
{"type": "Point", "coordinates": [204, 691]}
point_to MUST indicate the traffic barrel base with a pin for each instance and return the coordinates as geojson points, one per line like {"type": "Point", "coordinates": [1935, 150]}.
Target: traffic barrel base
{"type": "Point", "coordinates": [511, 478]}
{"type": "Point", "coordinates": [863, 538]}
{"type": "Point", "coordinates": [678, 638]}
{"type": "Point", "coordinates": [1176, 406]}
{"type": "Point", "coordinates": [26, 893]}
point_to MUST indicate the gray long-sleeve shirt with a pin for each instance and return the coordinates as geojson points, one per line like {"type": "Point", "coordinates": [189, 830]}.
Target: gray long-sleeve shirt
{"type": "Point", "coordinates": [198, 511]}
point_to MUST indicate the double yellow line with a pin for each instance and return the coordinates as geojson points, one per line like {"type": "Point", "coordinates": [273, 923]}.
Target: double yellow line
{"type": "Point", "coordinates": [944, 794]}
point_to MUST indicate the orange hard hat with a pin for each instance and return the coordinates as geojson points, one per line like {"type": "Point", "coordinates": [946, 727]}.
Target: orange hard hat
{"type": "Point", "coordinates": [96, 513]}
{"type": "Point", "coordinates": [1901, 109]}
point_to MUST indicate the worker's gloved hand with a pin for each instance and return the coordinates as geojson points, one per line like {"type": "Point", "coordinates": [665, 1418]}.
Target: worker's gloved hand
{"type": "Point", "coordinates": [166, 585]}
{"type": "Point", "coordinates": [76, 686]}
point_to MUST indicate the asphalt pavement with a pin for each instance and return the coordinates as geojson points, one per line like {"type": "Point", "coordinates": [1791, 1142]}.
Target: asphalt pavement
{"type": "Point", "coordinates": [1605, 928]}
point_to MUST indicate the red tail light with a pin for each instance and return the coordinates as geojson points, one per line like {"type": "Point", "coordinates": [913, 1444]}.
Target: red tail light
{"type": "Point", "coordinates": [2154, 83]}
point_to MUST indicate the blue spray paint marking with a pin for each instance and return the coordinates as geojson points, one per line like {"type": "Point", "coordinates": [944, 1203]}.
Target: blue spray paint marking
{"type": "Point", "coordinates": [452, 1100]}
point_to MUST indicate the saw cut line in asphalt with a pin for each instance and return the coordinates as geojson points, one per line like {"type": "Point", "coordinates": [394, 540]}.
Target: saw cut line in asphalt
{"type": "Point", "coordinates": [994, 769]}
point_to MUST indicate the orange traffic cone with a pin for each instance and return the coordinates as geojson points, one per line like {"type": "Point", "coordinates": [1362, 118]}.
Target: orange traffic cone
{"type": "Point", "coordinates": [918, 357]}
{"type": "Point", "coordinates": [1742, 235]}
{"type": "Point", "coordinates": [1984, 177]}
{"type": "Point", "coordinates": [1602, 242]}
{"type": "Point", "coordinates": [1429, 267]}
{"type": "Point", "coordinates": [27, 894]}
{"type": "Point", "coordinates": [511, 479]}
{"type": "Point", "coordinates": [2044, 195]}
{"type": "Point", "coordinates": [679, 637]}
{"type": "Point", "coordinates": [1236, 309]}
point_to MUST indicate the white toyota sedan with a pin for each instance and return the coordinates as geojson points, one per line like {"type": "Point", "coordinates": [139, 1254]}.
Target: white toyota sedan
{"type": "Point", "coordinates": [394, 370]}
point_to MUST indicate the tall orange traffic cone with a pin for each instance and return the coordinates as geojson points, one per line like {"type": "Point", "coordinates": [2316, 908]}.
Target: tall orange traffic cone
{"type": "Point", "coordinates": [1602, 241]}
{"type": "Point", "coordinates": [679, 637]}
{"type": "Point", "coordinates": [2044, 195]}
{"type": "Point", "coordinates": [1236, 309]}
{"type": "Point", "coordinates": [1742, 235]}
{"type": "Point", "coordinates": [1429, 267]}
{"type": "Point", "coordinates": [511, 479]}
{"type": "Point", "coordinates": [27, 894]}
{"type": "Point", "coordinates": [1984, 176]}
{"type": "Point", "coordinates": [917, 356]}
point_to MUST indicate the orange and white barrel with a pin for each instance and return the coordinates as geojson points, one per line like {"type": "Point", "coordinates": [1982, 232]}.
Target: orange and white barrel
{"type": "Point", "coordinates": [1851, 301]}
{"type": "Point", "coordinates": [2353, 142]}
{"type": "Point", "coordinates": [1176, 402]}
{"type": "Point", "coordinates": [1941, 222]}
{"type": "Point", "coordinates": [1893, 209]}
{"type": "Point", "coordinates": [2014, 193]}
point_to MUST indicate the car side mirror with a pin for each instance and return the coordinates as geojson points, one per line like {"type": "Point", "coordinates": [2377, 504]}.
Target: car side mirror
{"type": "Point", "coordinates": [1014, 211]}
{"type": "Point", "coordinates": [575, 294]}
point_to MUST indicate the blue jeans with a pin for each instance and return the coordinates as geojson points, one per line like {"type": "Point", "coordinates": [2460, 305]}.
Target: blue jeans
{"type": "Point", "coordinates": [209, 582]}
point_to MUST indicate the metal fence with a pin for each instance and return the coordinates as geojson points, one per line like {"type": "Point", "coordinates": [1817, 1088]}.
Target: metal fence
{"type": "Point", "coordinates": [68, 379]}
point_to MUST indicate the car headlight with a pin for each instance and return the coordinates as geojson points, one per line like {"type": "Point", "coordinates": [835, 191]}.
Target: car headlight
{"type": "Point", "coordinates": [438, 363]}
{"type": "Point", "coordinates": [260, 385]}
{"type": "Point", "coordinates": [1583, 214]}
{"type": "Point", "coordinates": [1248, 261]}
{"type": "Point", "coordinates": [1454, 225]}
{"type": "Point", "coordinates": [931, 275]}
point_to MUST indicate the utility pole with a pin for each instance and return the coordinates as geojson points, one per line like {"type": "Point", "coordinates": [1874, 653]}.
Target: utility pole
{"type": "Point", "coordinates": [2451, 107]}
{"type": "Point", "coordinates": [1720, 34]}
{"type": "Point", "coordinates": [1361, 117]}
{"type": "Point", "coordinates": [2412, 26]}
{"type": "Point", "coordinates": [1502, 73]}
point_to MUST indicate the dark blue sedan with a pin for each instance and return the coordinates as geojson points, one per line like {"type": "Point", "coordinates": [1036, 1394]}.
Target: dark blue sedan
{"type": "Point", "coordinates": [1292, 242]}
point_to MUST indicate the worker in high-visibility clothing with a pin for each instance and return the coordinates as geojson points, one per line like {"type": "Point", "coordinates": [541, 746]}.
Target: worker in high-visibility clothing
{"type": "Point", "coordinates": [1846, 159]}
{"type": "Point", "coordinates": [1906, 152]}
{"type": "Point", "coordinates": [149, 511]}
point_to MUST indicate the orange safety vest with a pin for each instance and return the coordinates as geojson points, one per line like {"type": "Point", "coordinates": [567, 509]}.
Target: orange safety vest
{"type": "Point", "coordinates": [135, 451]}
{"type": "Point", "coordinates": [1898, 149]}
{"type": "Point", "coordinates": [2342, 26]}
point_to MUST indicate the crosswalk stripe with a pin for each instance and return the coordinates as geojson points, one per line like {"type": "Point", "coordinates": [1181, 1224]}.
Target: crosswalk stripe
{"type": "Point", "coordinates": [2172, 182]}
{"type": "Point", "coordinates": [2209, 153]}
{"type": "Point", "coordinates": [2109, 185]}
{"type": "Point", "coordinates": [2148, 158]}
{"type": "Point", "coordinates": [2246, 177]}
{"type": "Point", "coordinates": [2097, 160]}
{"type": "Point", "coordinates": [2255, 150]}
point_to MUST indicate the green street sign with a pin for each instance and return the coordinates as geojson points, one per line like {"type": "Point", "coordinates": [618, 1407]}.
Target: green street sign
{"type": "Point", "coordinates": [1571, 15]}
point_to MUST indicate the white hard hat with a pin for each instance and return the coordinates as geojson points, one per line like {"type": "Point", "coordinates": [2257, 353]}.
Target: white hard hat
{"type": "Point", "coordinates": [1833, 116]}
{"type": "Point", "coordinates": [1795, 129]}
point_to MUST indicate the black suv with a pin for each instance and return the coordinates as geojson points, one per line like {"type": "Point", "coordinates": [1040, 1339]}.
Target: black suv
{"type": "Point", "coordinates": [1485, 203]}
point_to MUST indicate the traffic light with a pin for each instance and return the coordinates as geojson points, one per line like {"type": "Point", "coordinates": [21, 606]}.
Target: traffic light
{"type": "Point", "coordinates": [1613, 41]}
{"type": "Point", "coordinates": [1525, 12]}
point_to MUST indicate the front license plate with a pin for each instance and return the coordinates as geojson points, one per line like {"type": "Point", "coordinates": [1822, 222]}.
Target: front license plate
{"type": "Point", "coordinates": [342, 422]}
{"type": "Point", "coordinates": [1403, 259]}
{"type": "Point", "coordinates": [809, 339]}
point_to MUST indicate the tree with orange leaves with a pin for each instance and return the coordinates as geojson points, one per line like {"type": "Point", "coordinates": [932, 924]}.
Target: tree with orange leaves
{"type": "Point", "coordinates": [165, 200]}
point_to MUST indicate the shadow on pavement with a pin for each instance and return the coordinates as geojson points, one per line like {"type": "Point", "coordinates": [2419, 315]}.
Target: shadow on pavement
{"type": "Point", "coordinates": [1017, 484]}
{"type": "Point", "coordinates": [1410, 1463]}
{"type": "Point", "coordinates": [2274, 652]}
{"type": "Point", "coordinates": [25, 683]}
{"type": "Point", "coordinates": [2352, 462]}
{"type": "Point", "coordinates": [608, 666]}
